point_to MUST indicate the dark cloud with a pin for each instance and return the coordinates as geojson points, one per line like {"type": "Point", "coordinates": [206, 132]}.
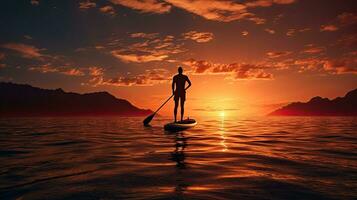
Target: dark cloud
{"type": "Point", "coordinates": [27, 51]}
{"type": "Point", "coordinates": [66, 70]}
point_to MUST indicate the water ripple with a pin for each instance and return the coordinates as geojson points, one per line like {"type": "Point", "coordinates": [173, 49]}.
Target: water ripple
{"type": "Point", "coordinates": [118, 158]}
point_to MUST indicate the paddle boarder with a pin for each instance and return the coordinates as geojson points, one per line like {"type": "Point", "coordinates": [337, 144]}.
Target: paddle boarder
{"type": "Point", "coordinates": [179, 91]}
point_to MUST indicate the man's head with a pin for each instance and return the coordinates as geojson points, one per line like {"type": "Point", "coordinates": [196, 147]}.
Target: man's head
{"type": "Point", "coordinates": [180, 70]}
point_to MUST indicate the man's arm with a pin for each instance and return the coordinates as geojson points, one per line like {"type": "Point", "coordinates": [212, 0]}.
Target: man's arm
{"type": "Point", "coordinates": [189, 83]}
{"type": "Point", "coordinates": [173, 85]}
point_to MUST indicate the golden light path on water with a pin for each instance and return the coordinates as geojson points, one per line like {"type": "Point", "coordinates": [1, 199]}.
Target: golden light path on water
{"type": "Point", "coordinates": [222, 132]}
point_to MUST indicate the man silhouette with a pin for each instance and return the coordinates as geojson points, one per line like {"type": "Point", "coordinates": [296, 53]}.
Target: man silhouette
{"type": "Point", "coordinates": [179, 82]}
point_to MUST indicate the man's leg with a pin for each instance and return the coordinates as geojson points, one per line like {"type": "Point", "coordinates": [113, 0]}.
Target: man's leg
{"type": "Point", "coordinates": [175, 109]}
{"type": "Point", "coordinates": [182, 101]}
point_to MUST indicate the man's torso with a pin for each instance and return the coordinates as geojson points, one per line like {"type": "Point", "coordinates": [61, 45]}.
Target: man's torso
{"type": "Point", "coordinates": [180, 81]}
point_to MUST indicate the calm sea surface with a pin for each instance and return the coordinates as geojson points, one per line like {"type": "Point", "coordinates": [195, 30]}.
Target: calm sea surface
{"type": "Point", "coordinates": [118, 158]}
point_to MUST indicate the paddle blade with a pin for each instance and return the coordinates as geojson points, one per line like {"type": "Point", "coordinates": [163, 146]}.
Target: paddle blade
{"type": "Point", "coordinates": [148, 119]}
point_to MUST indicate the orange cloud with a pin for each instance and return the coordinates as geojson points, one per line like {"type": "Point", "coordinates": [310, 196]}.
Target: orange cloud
{"type": "Point", "coordinates": [342, 65]}
{"type": "Point", "coordinates": [144, 35]}
{"type": "Point", "coordinates": [107, 10]}
{"type": "Point", "coordinates": [290, 32]}
{"type": "Point", "coordinates": [245, 33]}
{"type": "Point", "coordinates": [200, 37]}
{"type": "Point", "coordinates": [293, 31]}
{"type": "Point", "coordinates": [267, 3]}
{"type": "Point", "coordinates": [235, 71]}
{"type": "Point", "coordinates": [87, 4]}
{"type": "Point", "coordinates": [96, 71]}
{"type": "Point", "coordinates": [27, 51]}
{"type": "Point", "coordinates": [278, 54]}
{"type": "Point", "coordinates": [150, 47]}
{"type": "Point", "coordinates": [311, 49]}
{"type": "Point", "coordinates": [137, 58]}
{"type": "Point", "coordinates": [148, 78]}
{"type": "Point", "coordinates": [271, 31]}
{"type": "Point", "coordinates": [224, 11]}
{"type": "Point", "coordinates": [145, 6]}
{"type": "Point", "coordinates": [328, 28]}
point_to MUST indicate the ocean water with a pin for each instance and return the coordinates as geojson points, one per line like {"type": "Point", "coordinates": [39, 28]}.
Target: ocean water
{"type": "Point", "coordinates": [222, 158]}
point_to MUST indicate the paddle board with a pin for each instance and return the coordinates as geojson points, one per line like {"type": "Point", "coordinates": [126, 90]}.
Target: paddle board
{"type": "Point", "coordinates": [181, 125]}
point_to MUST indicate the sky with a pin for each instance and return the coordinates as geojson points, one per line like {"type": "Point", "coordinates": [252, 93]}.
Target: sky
{"type": "Point", "coordinates": [242, 56]}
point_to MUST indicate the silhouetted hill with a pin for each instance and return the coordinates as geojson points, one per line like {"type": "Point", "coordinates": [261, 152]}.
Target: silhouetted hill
{"type": "Point", "coordinates": [318, 106]}
{"type": "Point", "coordinates": [25, 100]}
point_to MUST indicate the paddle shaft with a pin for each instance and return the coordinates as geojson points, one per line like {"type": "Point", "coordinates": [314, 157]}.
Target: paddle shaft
{"type": "Point", "coordinates": [163, 104]}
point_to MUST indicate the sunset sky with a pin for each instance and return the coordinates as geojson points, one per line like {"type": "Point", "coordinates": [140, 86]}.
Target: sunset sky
{"type": "Point", "coordinates": [243, 57]}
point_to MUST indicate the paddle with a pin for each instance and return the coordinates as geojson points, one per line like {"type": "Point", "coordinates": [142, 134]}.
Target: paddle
{"type": "Point", "coordinates": [150, 117]}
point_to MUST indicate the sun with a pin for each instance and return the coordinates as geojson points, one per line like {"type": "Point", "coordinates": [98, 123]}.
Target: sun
{"type": "Point", "coordinates": [222, 114]}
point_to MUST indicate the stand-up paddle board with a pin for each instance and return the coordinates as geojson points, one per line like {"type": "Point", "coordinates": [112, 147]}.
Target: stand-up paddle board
{"type": "Point", "coordinates": [181, 125]}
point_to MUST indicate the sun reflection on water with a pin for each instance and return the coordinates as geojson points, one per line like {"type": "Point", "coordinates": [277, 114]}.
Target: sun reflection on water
{"type": "Point", "coordinates": [221, 131]}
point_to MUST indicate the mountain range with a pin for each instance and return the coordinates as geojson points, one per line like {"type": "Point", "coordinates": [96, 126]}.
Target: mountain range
{"type": "Point", "coordinates": [318, 106]}
{"type": "Point", "coordinates": [25, 100]}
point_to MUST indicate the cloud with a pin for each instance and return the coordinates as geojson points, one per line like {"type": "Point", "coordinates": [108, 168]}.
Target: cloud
{"type": "Point", "coordinates": [347, 18]}
{"type": "Point", "coordinates": [35, 2]}
{"type": "Point", "coordinates": [342, 20]}
{"type": "Point", "coordinates": [278, 54]}
{"type": "Point", "coordinates": [290, 32]}
{"type": "Point", "coordinates": [271, 31]}
{"type": "Point", "coordinates": [349, 40]}
{"type": "Point", "coordinates": [28, 37]}
{"type": "Point", "coordinates": [312, 49]}
{"type": "Point", "coordinates": [224, 11]}
{"type": "Point", "coordinates": [47, 68]}
{"type": "Point", "coordinates": [86, 5]}
{"type": "Point", "coordinates": [256, 20]}
{"type": "Point", "coordinates": [144, 35]}
{"type": "Point", "coordinates": [148, 78]}
{"type": "Point", "coordinates": [146, 47]}
{"type": "Point", "coordinates": [236, 71]}
{"type": "Point", "coordinates": [216, 10]}
{"type": "Point", "coordinates": [96, 71]}
{"type": "Point", "coordinates": [107, 10]}
{"type": "Point", "coordinates": [27, 51]}
{"type": "Point", "coordinates": [342, 65]}
{"type": "Point", "coordinates": [328, 28]}
{"type": "Point", "coordinates": [137, 58]}
{"type": "Point", "coordinates": [245, 33]}
{"type": "Point", "coordinates": [293, 31]}
{"type": "Point", "coordinates": [267, 3]}
{"type": "Point", "coordinates": [145, 6]}
{"type": "Point", "coordinates": [200, 37]}
{"type": "Point", "coordinates": [346, 64]}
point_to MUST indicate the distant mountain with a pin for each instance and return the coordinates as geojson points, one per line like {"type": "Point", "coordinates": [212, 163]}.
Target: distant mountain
{"type": "Point", "coordinates": [318, 106]}
{"type": "Point", "coordinates": [25, 100]}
